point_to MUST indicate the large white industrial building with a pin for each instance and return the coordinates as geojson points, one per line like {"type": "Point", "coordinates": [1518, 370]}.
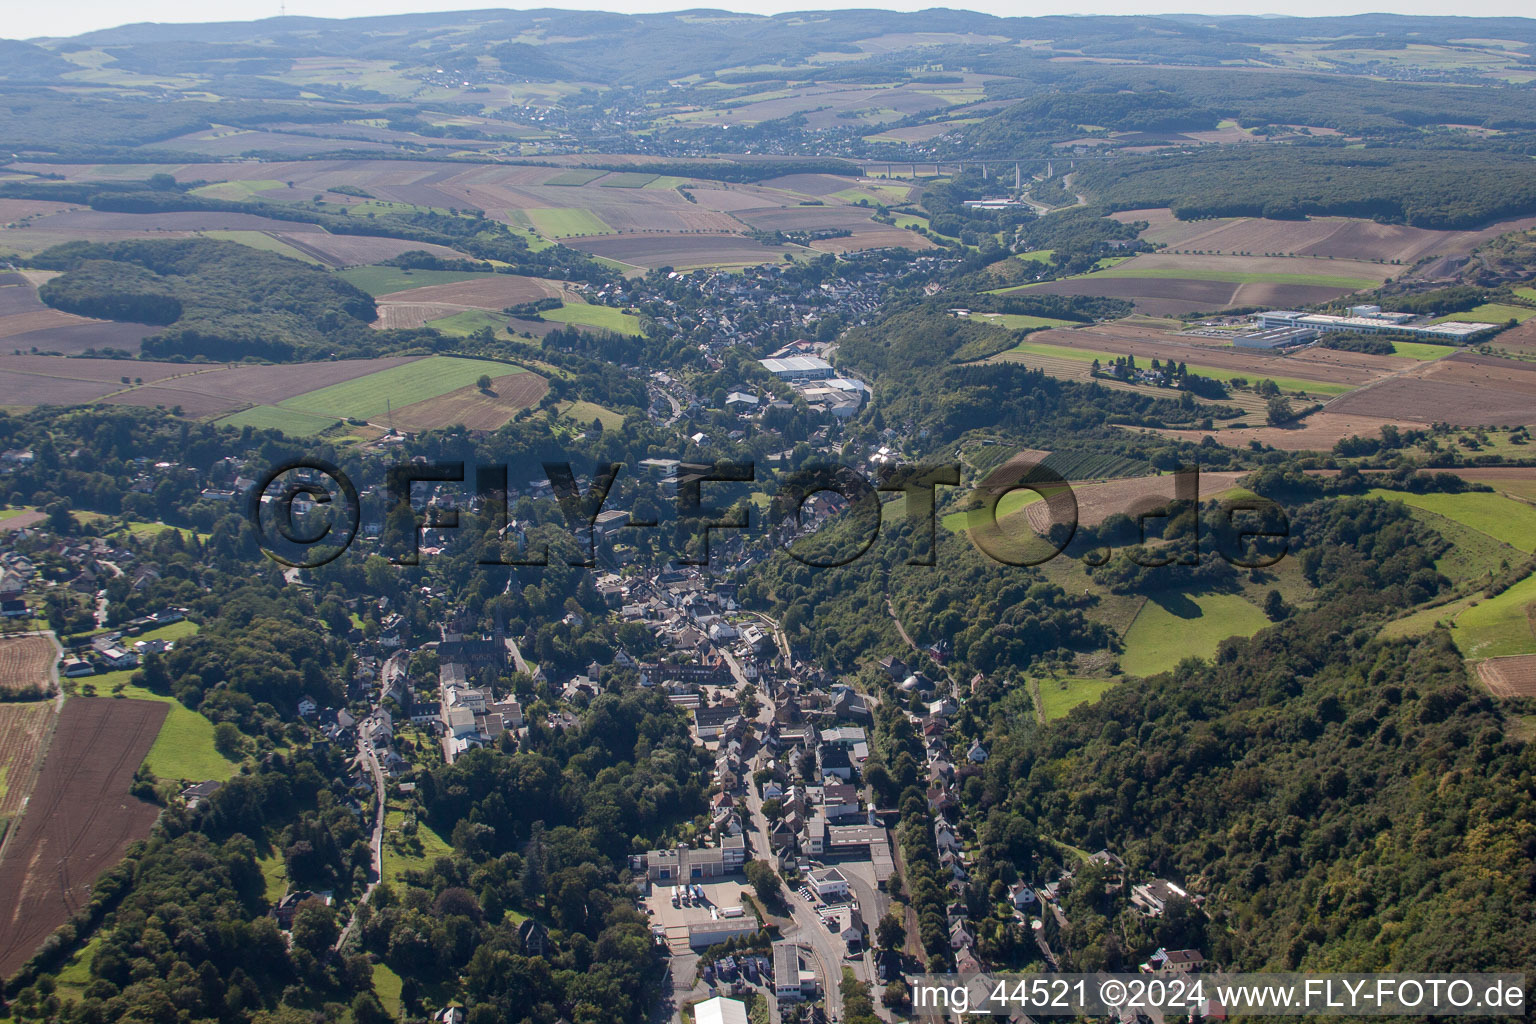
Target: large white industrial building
{"type": "Point", "coordinates": [1371, 320]}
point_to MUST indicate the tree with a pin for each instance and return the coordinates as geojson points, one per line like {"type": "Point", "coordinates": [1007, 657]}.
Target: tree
{"type": "Point", "coordinates": [1279, 411]}
{"type": "Point", "coordinates": [314, 927]}
{"type": "Point", "coordinates": [890, 933]}
{"type": "Point", "coordinates": [773, 809]}
{"type": "Point", "coordinates": [1275, 607]}
{"type": "Point", "coordinates": [764, 881]}
{"type": "Point", "coordinates": [366, 1009]}
{"type": "Point", "coordinates": [483, 382]}
{"type": "Point", "coordinates": [228, 741]}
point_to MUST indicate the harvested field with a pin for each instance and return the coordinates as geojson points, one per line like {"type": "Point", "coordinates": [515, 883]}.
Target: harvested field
{"type": "Point", "coordinates": [1513, 676]}
{"type": "Point", "coordinates": [38, 318]}
{"type": "Point", "coordinates": [201, 389]}
{"type": "Point", "coordinates": [1177, 296]}
{"type": "Point", "coordinates": [26, 663]}
{"type": "Point", "coordinates": [486, 291]}
{"type": "Point", "coordinates": [357, 250]}
{"type": "Point", "coordinates": [1324, 366]}
{"type": "Point", "coordinates": [26, 390]}
{"type": "Point", "coordinates": [409, 315]}
{"type": "Point", "coordinates": [1464, 389]}
{"type": "Point", "coordinates": [809, 184]}
{"type": "Point", "coordinates": [1519, 342]}
{"type": "Point", "coordinates": [874, 236]}
{"type": "Point", "coordinates": [22, 521]}
{"type": "Point", "coordinates": [736, 198]}
{"type": "Point", "coordinates": [67, 334]}
{"type": "Point", "coordinates": [84, 223]}
{"type": "Point", "coordinates": [417, 387]}
{"type": "Point", "coordinates": [1318, 432]}
{"type": "Point", "coordinates": [1342, 237]}
{"type": "Point", "coordinates": [23, 729]}
{"type": "Point", "coordinates": [473, 408]}
{"type": "Point", "coordinates": [659, 250]}
{"type": "Point", "coordinates": [18, 296]}
{"type": "Point", "coordinates": [1082, 370]}
{"type": "Point", "coordinates": [809, 218]}
{"type": "Point", "coordinates": [1097, 502]}
{"type": "Point", "coordinates": [13, 210]}
{"type": "Point", "coordinates": [79, 821]}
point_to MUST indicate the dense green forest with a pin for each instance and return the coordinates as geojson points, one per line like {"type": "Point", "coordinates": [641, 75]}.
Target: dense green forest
{"type": "Point", "coordinates": [221, 299]}
{"type": "Point", "coordinates": [1422, 188]}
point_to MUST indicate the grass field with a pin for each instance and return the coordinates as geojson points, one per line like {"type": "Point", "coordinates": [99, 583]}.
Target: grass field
{"type": "Point", "coordinates": [563, 222]}
{"type": "Point", "coordinates": [1036, 255]}
{"type": "Point", "coordinates": [371, 396]}
{"type": "Point", "coordinates": [1492, 313]}
{"type": "Point", "coordinates": [387, 985]}
{"type": "Point", "coordinates": [462, 325]}
{"type": "Point", "coordinates": [1504, 519]}
{"type": "Point", "coordinates": [377, 280]}
{"type": "Point", "coordinates": [1173, 627]}
{"type": "Point", "coordinates": [1058, 696]}
{"type": "Point", "coordinates": [1128, 268]}
{"type": "Point", "coordinates": [236, 191]}
{"type": "Point", "coordinates": [274, 874]}
{"type": "Point", "coordinates": [1422, 621]}
{"type": "Point", "coordinates": [289, 421]}
{"type": "Point", "coordinates": [1020, 321]}
{"type": "Point", "coordinates": [1422, 351]}
{"type": "Point", "coordinates": [400, 855]}
{"type": "Point", "coordinates": [1009, 504]}
{"type": "Point", "coordinates": [585, 412]}
{"type": "Point", "coordinates": [263, 241]}
{"type": "Point", "coordinates": [1083, 355]}
{"type": "Point", "coordinates": [184, 748]}
{"type": "Point", "coordinates": [1500, 625]}
{"type": "Point", "coordinates": [585, 314]}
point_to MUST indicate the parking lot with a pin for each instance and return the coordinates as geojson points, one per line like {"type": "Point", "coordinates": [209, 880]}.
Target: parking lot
{"type": "Point", "coordinates": [719, 893]}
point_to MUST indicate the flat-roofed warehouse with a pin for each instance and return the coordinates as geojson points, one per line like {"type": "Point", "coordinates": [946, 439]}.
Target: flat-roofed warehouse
{"type": "Point", "coordinates": [1274, 337]}
{"type": "Point", "coordinates": [799, 368]}
{"type": "Point", "coordinates": [1373, 323]}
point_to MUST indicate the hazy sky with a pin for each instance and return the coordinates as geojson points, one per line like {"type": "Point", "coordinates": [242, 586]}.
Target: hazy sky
{"type": "Point", "coordinates": [71, 17]}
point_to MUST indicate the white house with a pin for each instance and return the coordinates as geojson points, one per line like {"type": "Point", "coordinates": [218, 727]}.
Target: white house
{"type": "Point", "coordinates": [830, 885]}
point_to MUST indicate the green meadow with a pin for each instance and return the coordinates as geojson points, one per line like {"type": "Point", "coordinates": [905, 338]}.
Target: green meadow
{"type": "Point", "coordinates": [1083, 355]}
{"type": "Point", "coordinates": [1058, 696]}
{"type": "Point", "coordinates": [1020, 321]}
{"type": "Point", "coordinates": [1128, 268]}
{"type": "Point", "coordinates": [289, 421]}
{"type": "Point", "coordinates": [1500, 625]}
{"type": "Point", "coordinates": [1493, 313]}
{"type": "Point", "coordinates": [1172, 627]}
{"type": "Point", "coordinates": [1504, 519]}
{"type": "Point", "coordinates": [184, 748]}
{"type": "Point", "coordinates": [562, 222]}
{"type": "Point", "coordinates": [1422, 351]}
{"type": "Point", "coordinates": [372, 396]}
{"type": "Point", "coordinates": [585, 314]}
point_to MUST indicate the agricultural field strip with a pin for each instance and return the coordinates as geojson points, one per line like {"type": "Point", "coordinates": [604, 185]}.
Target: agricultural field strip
{"type": "Point", "coordinates": [397, 387]}
{"type": "Point", "coordinates": [1084, 355]}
